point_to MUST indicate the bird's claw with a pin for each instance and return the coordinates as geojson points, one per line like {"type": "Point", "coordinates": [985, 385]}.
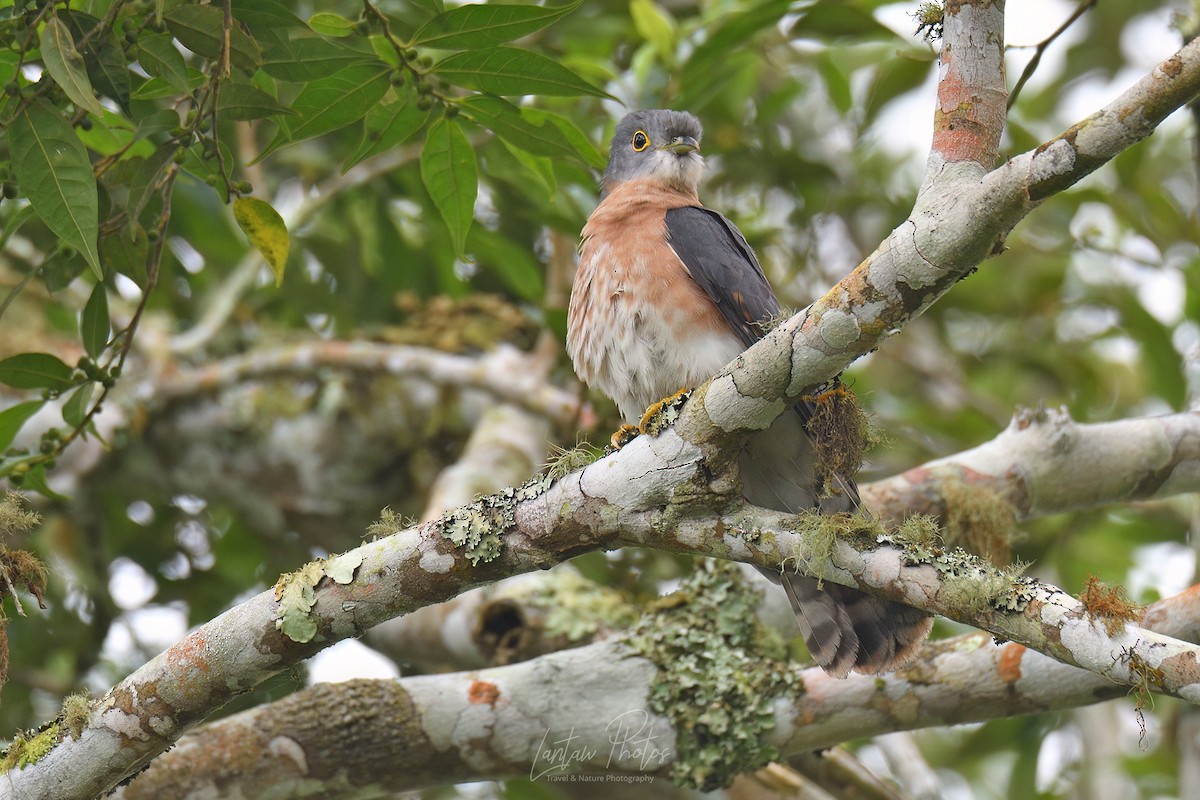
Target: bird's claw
{"type": "Point", "coordinates": [657, 419]}
{"type": "Point", "coordinates": [663, 414]}
{"type": "Point", "coordinates": [624, 435]}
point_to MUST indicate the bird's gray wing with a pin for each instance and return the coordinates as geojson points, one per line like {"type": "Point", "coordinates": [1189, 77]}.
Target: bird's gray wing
{"type": "Point", "coordinates": [844, 628]}
{"type": "Point", "coordinates": [721, 261]}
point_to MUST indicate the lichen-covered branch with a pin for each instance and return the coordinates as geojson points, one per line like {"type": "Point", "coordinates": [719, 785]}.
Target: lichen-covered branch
{"type": "Point", "coordinates": [962, 218]}
{"type": "Point", "coordinates": [583, 703]}
{"type": "Point", "coordinates": [656, 492]}
{"type": "Point", "coordinates": [1045, 463]}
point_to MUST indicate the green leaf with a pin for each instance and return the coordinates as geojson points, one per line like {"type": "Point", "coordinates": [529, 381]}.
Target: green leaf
{"type": "Point", "coordinates": [156, 122]}
{"type": "Point", "coordinates": [108, 134]}
{"type": "Point", "coordinates": [35, 479]}
{"type": "Point", "coordinates": [145, 179]}
{"type": "Point", "coordinates": [654, 25]}
{"type": "Point", "coordinates": [102, 56]}
{"type": "Point", "coordinates": [532, 130]}
{"type": "Point", "coordinates": [509, 70]}
{"type": "Point", "coordinates": [476, 26]}
{"type": "Point", "coordinates": [35, 371]}
{"type": "Point", "coordinates": [584, 146]}
{"type": "Point", "coordinates": [125, 252]}
{"type": "Point", "coordinates": [733, 33]}
{"type": "Point", "coordinates": [523, 164]}
{"type": "Point", "coordinates": [74, 411]}
{"type": "Point", "coordinates": [329, 24]}
{"type": "Point", "coordinates": [201, 29]}
{"type": "Point", "coordinates": [266, 231]}
{"type": "Point", "coordinates": [388, 124]}
{"type": "Point", "coordinates": [837, 83]}
{"type": "Point", "coordinates": [65, 65]}
{"type": "Point", "coordinates": [53, 169]}
{"type": "Point", "coordinates": [894, 78]}
{"type": "Point", "coordinates": [157, 88]}
{"type": "Point", "coordinates": [159, 57]}
{"type": "Point", "coordinates": [13, 417]}
{"type": "Point", "coordinates": [93, 322]}
{"type": "Point", "coordinates": [450, 175]}
{"type": "Point", "coordinates": [9, 66]}
{"type": "Point", "coordinates": [436, 6]}
{"type": "Point", "coordinates": [331, 103]}
{"type": "Point", "coordinates": [266, 17]}
{"type": "Point", "coordinates": [310, 58]}
{"type": "Point", "coordinates": [14, 222]}
{"type": "Point", "coordinates": [836, 20]}
{"type": "Point", "coordinates": [243, 102]}
{"type": "Point", "coordinates": [512, 264]}
{"type": "Point", "coordinates": [62, 267]}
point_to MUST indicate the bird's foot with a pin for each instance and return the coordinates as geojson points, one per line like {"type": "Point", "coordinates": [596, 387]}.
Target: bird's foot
{"type": "Point", "coordinates": [663, 414]}
{"type": "Point", "coordinates": [657, 419]}
{"type": "Point", "coordinates": [624, 435]}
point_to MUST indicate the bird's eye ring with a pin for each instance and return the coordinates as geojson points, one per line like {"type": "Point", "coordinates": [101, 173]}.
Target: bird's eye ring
{"type": "Point", "coordinates": [640, 141]}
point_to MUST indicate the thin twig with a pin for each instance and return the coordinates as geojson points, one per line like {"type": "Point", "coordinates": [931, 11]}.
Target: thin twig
{"type": "Point", "coordinates": [1043, 45]}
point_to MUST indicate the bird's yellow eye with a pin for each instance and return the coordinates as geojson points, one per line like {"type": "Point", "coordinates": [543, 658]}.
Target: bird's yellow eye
{"type": "Point", "coordinates": [640, 141]}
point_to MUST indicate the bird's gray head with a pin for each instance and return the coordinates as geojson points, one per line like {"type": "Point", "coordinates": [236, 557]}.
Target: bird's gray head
{"type": "Point", "coordinates": [658, 145]}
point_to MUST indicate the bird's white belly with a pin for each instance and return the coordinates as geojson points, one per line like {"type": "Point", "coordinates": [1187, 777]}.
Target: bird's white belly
{"type": "Point", "coordinates": [648, 359]}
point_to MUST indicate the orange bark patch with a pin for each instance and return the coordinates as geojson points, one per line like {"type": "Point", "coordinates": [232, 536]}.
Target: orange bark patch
{"type": "Point", "coordinates": [483, 692]}
{"type": "Point", "coordinates": [1009, 667]}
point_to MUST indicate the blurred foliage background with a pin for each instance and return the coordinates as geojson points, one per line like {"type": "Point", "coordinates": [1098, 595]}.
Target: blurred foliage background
{"type": "Point", "coordinates": [817, 115]}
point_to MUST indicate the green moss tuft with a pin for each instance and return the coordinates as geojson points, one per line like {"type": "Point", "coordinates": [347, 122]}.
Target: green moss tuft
{"type": "Point", "coordinates": [389, 522]}
{"type": "Point", "coordinates": [76, 713]}
{"type": "Point", "coordinates": [29, 748]}
{"type": "Point", "coordinates": [820, 532]}
{"type": "Point", "coordinates": [978, 518]}
{"type": "Point", "coordinates": [930, 18]}
{"type": "Point", "coordinates": [564, 461]}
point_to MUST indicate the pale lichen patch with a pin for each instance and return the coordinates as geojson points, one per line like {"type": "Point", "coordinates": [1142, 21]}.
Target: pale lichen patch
{"type": "Point", "coordinates": [720, 676]}
{"type": "Point", "coordinates": [296, 593]}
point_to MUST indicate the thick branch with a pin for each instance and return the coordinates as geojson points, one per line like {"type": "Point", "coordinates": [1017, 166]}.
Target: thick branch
{"type": "Point", "coordinates": [597, 508]}
{"type": "Point", "coordinates": [1045, 463]}
{"type": "Point", "coordinates": [952, 229]}
{"type": "Point", "coordinates": [969, 118]}
{"type": "Point", "coordinates": [652, 492]}
{"type": "Point", "coordinates": [395, 736]}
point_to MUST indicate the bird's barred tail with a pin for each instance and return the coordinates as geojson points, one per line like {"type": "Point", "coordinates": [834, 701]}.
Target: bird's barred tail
{"type": "Point", "coordinates": [846, 629]}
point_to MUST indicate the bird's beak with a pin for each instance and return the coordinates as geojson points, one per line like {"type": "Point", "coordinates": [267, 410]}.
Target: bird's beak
{"type": "Point", "coordinates": [682, 145]}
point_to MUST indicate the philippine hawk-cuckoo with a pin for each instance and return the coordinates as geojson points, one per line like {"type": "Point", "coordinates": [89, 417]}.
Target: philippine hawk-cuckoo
{"type": "Point", "coordinates": [668, 292]}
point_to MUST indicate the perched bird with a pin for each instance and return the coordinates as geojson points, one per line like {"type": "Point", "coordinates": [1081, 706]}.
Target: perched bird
{"type": "Point", "coordinates": [667, 293]}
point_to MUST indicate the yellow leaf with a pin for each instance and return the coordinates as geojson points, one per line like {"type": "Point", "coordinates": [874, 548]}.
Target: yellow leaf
{"type": "Point", "coordinates": [266, 231]}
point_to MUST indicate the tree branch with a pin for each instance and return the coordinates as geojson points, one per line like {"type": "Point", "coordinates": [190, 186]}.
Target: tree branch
{"type": "Point", "coordinates": [505, 372]}
{"type": "Point", "coordinates": [960, 218]}
{"type": "Point", "coordinates": [599, 507]}
{"type": "Point", "coordinates": [593, 690]}
{"type": "Point", "coordinates": [1045, 463]}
